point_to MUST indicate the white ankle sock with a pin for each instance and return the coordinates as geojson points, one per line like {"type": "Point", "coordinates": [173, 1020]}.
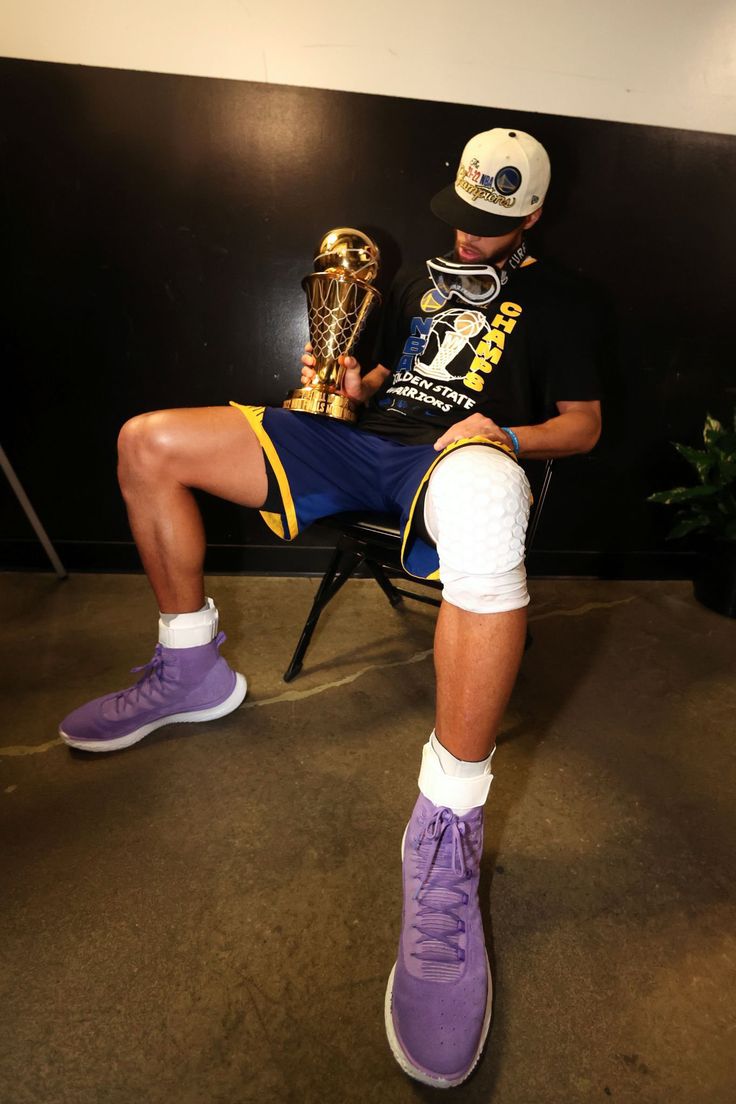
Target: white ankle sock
{"type": "Point", "coordinates": [453, 783]}
{"type": "Point", "coordinates": [188, 630]}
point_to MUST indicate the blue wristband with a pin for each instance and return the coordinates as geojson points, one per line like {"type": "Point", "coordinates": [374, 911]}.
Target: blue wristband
{"type": "Point", "coordinates": [514, 438]}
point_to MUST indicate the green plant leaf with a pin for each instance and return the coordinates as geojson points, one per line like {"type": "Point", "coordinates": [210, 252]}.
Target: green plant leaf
{"type": "Point", "coordinates": [712, 430]}
{"type": "Point", "coordinates": [688, 525]}
{"type": "Point", "coordinates": [727, 472]}
{"type": "Point", "coordinates": [701, 461]}
{"type": "Point", "coordinates": [725, 450]}
{"type": "Point", "coordinates": [683, 494]}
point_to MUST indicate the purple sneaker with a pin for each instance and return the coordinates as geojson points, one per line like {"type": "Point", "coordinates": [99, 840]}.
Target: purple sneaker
{"type": "Point", "coordinates": [439, 995]}
{"type": "Point", "coordinates": [179, 684]}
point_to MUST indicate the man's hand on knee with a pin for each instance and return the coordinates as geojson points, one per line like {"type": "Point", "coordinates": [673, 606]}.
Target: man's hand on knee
{"type": "Point", "coordinates": [477, 425]}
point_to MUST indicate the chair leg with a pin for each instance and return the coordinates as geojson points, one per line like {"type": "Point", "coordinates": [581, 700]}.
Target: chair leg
{"type": "Point", "coordinates": [31, 514]}
{"type": "Point", "coordinates": [341, 567]}
{"type": "Point", "coordinates": [376, 570]}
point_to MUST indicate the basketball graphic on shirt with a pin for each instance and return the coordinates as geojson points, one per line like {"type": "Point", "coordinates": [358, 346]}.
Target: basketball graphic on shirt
{"type": "Point", "coordinates": [451, 333]}
{"type": "Point", "coordinates": [468, 323]}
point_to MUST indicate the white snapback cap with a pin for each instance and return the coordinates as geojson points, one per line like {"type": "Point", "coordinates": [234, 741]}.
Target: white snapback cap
{"type": "Point", "coordinates": [503, 177]}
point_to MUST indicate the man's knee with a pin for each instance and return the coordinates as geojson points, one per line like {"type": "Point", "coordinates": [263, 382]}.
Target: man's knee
{"type": "Point", "coordinates": [477, 510]}
{"type": "Point", "coordinates": [145, 442]}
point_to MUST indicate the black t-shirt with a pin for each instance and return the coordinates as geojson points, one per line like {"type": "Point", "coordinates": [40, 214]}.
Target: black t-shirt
{"type": "Point", "coordinates": [536, 344]}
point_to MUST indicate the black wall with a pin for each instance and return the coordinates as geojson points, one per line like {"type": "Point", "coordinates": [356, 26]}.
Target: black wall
{"type": "Point", "coordinates": [157, 229]}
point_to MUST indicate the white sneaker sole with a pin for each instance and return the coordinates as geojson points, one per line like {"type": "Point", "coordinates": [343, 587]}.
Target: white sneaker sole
{"type": "Point", "coordinates": [227, 706]}
{"type": "Point", "coordinates": [398, 1051]}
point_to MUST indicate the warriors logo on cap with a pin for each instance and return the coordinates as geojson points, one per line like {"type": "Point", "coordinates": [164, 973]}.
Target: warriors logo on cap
{"type": "Point", "coordinates": [508, 180]}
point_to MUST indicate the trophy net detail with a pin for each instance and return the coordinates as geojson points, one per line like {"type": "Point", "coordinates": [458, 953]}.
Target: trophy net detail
{"type": "Point", "coordinates": [337, 309]}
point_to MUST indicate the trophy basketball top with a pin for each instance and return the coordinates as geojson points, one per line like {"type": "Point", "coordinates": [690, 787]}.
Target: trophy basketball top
{"type": "Point", "coordinates": [348, 252]}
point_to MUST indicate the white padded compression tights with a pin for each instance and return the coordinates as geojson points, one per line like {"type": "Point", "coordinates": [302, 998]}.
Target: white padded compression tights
{"type": "Point", "coordinates": [476, 511]}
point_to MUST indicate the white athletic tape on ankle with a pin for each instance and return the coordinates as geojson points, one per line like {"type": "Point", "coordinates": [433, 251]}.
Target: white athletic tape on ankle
{"type": "Point", "coordinates": [476, 510]}
{"type": "Point", "coordinates": [458, 794]}
{"type": "Point", "coordinates": [457, 768]}
{"type": "Point", "coordinates": [188, 630]}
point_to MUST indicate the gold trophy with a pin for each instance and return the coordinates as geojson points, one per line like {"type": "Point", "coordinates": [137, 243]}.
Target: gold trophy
{"type": "Point", "coordinates": [340, 295]}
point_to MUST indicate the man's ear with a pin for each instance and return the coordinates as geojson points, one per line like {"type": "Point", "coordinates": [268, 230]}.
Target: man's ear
{"type": "Point", "coordinates": [533, 218]}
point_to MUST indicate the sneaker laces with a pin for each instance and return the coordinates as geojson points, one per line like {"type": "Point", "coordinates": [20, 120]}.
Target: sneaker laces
{"type": "Point", "coordinates": [152, 680]}
{"type": "Point", "coordinates": [439, 893]}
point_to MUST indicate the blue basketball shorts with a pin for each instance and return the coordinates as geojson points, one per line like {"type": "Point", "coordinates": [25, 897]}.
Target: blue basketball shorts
{"type": "Point", "coordinates": [319, 466]}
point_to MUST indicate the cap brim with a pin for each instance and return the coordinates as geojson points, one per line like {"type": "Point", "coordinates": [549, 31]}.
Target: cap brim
{"type": "Point", "coordinates": [458, 214]}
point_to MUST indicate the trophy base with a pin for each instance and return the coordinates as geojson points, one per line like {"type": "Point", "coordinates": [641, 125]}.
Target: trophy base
{"type": "Point", "coordinates": [313, 400]}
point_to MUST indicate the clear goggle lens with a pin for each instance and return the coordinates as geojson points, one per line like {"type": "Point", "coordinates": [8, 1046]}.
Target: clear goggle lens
{"type": "Point", "coordinates": [475, 284]}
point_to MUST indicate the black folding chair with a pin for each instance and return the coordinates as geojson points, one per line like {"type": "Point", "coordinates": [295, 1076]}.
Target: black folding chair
{"type": "Point", "coordinates": [373, 542]}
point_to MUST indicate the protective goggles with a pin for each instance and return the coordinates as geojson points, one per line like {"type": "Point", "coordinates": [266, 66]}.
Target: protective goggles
{"type": "Point", "coordinates": [476, 284]}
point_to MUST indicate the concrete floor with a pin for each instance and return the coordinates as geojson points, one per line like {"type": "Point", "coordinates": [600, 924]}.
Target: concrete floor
{"type": "Point", "coordinates": [210, 917]}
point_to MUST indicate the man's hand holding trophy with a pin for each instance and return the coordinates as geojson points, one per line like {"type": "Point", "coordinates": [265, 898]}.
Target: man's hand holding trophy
{"type": "Point", "coordinates": [352, 384]}
{"type": "Point", "coordinates": [340, 295]}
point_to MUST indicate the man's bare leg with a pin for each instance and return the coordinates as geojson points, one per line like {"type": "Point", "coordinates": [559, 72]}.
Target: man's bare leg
{"type": "Point", "coordinates": [477, 658]}
{"type": "Point", "coordinates": [161, 456]}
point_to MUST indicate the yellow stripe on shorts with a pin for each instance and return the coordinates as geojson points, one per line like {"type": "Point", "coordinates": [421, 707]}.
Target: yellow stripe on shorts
{"type": "Point", "coordinates": [254, 417]}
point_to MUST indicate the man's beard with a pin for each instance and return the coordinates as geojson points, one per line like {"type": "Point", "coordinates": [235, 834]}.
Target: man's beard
{"type": "Point", "coordinates": [497, 258]}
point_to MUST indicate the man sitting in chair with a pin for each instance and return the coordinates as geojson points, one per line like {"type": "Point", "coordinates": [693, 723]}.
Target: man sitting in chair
{"type": "Point", "coordinates": [487, 356]}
